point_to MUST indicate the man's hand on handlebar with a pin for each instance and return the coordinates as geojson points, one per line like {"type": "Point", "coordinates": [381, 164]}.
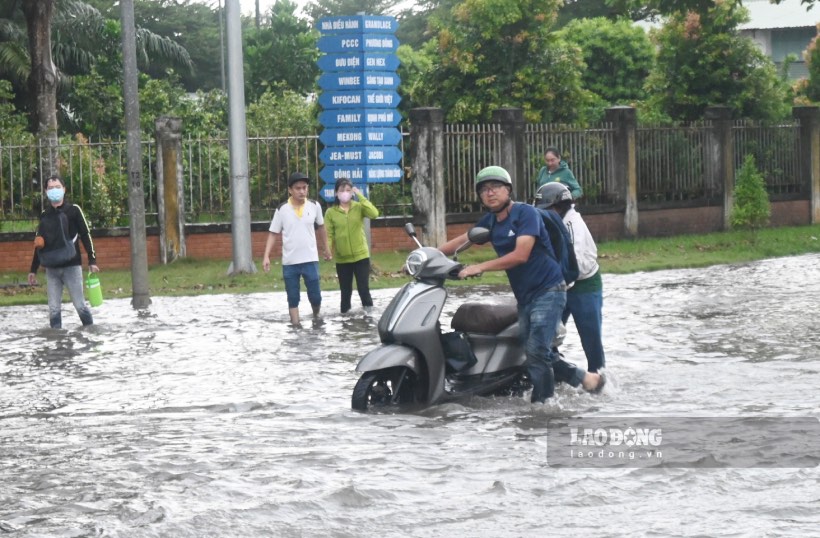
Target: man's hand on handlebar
{"type": "Point", "coordinates": [468, 271]}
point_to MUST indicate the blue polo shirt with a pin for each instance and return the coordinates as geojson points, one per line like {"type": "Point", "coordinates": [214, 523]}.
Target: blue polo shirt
{"type": "Point", "coordinates": [540, 272]}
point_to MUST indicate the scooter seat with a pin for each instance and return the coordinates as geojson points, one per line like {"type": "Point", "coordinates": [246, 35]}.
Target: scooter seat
{"type": "Point", "coordinates": [484, 318]}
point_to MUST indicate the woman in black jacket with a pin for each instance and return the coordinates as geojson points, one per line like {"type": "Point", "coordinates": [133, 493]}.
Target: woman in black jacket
{"type": "Point", "coordinates": [62, 224]}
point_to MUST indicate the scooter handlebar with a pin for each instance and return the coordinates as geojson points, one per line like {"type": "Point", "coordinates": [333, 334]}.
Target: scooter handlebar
{"type": "Point", "coordinates": [453, 273]}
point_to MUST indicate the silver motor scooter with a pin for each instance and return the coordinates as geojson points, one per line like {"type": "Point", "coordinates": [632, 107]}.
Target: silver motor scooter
{"type": "Point", "coordinates": [417, 365]}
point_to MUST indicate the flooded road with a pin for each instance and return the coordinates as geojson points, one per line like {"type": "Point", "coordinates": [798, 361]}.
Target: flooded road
{"type": "Point", "coordinates": [210, 416]}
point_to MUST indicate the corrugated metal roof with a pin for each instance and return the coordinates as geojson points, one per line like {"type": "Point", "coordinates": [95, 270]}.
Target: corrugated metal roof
{"type": "Point", "coordinates": [788, 14]}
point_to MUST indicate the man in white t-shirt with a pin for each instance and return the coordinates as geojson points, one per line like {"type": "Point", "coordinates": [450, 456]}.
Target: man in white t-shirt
{"type": "Point", "coordinates": [298, 220]}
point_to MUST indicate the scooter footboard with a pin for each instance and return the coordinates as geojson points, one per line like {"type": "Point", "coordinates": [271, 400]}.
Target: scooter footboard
{"type": "Point", "coordinates": [389, 356]}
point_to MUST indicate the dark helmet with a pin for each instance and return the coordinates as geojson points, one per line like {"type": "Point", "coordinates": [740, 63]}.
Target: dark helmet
{"type": "Point", "coordinates": [552, 193]}
{"type": "Point", "coordinates": [492, 173]}
{"type": "Point", "coordinates": [296, 177]}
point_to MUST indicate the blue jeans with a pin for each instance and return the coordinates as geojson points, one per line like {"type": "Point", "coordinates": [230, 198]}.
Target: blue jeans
{"type": "Point", "coordinates": [586, 309]}
{"type": "Point", "coordinates": [537, 323]}
{"type": "Point", "coordinates": [72, 278]}
{"type": "Point", "coordinates": [310, 272]}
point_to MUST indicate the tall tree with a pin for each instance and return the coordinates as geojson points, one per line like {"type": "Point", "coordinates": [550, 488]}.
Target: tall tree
{"type": "Point", "coordinates": [618, 57]}
{"type": "Point", "coordinates": [414, 28]}
{"type": "Point", "coordinates": [42, 80]}
{"type": "Point", "coordinates": [490, 54]}
{"type": "Point", "coordinates": [82, 39]}
{"type": "Point", "coordinates": [282, 55]}
{"type": "Point", "coordinates": [195, 26]}
{"type": "Point", "coordinates": [703, 60]}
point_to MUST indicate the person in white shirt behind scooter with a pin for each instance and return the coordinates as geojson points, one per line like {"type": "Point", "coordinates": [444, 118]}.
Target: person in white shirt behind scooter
{"type": "Point", "coordinates": [585, 298]}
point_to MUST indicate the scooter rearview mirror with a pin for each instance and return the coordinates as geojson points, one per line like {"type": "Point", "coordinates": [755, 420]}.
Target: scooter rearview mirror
{"type": "Point", "coordinates": [411, 231]}
{"type": "Point", "coordinates": [478, 235]}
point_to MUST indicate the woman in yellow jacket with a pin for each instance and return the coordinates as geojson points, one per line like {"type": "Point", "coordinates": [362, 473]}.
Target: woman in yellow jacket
{"type": "Point", "coordinates": [344, 222]}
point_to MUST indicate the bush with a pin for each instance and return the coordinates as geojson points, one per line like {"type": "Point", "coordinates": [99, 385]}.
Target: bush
{"type": "Point", "coordinates": [750, 208]}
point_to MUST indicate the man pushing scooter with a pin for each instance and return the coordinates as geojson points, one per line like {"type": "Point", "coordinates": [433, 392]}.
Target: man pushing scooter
{"type": "Point", "coordinates": [524, 251]}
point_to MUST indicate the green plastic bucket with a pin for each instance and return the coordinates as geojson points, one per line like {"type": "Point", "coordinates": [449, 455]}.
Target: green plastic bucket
{"type": "Point", "coordinates": [92, 285]}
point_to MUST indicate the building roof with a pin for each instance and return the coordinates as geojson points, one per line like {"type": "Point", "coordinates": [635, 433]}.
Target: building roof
{"type": "Point", "coordinates": [787, 14]}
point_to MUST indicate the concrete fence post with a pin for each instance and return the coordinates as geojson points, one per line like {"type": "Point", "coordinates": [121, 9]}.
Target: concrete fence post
{"type": "Point", "coordinates": [170, 192]}
{"type": "Point", "coordinates": [809, 117]}
{"type": "Point", "coordinates": [427, 164]}
{"type": "Point", "coordinates": [513, 148]}
{"type": "Point", "coordinates": [720, 154]}
{"type": "Point", "coordinates": [625, 163]}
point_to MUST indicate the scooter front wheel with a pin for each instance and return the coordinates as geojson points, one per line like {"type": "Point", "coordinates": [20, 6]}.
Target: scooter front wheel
{"type": "Point", "coordinates": [384, 389]}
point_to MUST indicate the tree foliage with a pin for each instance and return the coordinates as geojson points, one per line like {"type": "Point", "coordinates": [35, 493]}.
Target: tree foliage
{"type": "Point", "coordinates": [492, 53]}
{"type": "Point", "coordinates": [669, 7]}
{"type": "Point", "coordinates": [414, 29]}
{"type": "Point", "coordinates": [195, 26]}
{"type": "Point", "coordinates": [812, 57]}
{"type": "Point", "coordinates": [618, 57]}
{"type": "Point", "coordinates": [318, 9]}
{"type": "Point", "coordinates": [12, 123]}
{"type": "Point", "coordinates": [283, 53]}
{"type": "Point", "coordinates": [591, 9]}
{"type": "Point", "coordinates": [703, 60]}
{"type": "Point", "coordinates": [64, 39]}
{"type": "Point", "coordinates": [282, 112]}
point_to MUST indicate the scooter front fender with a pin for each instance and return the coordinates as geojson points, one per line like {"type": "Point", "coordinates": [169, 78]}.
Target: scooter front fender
{"type": "Point", "coordinates": [389, 356]}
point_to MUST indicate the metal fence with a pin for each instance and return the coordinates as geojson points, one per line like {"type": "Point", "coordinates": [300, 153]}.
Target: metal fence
{"type": "Point", "coordinates": [588, 152]}
{"type": "Point", "coordinates": [96, 178]}
{"type": "Point", "coordinates": [467, 149]}
{"type": "Point", "coordinates": [672, 165]}
{"type": "Point", "coordinates": [776, 149]}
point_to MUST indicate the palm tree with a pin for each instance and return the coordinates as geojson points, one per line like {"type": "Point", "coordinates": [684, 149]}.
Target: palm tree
{"type": "Point", "coordinates": [80, 33]}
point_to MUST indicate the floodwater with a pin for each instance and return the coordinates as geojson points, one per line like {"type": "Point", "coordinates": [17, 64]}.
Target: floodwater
{"type": "Point", "coordinates": [209, 416]}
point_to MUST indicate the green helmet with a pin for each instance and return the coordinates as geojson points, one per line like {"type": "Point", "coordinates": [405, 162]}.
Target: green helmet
{"type": "Point", "coordinates": [492, 173]}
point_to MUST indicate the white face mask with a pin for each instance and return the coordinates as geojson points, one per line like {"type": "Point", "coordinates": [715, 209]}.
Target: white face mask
{"type": "Point", "coordinates": [344, 196]}
{"type": "Point", "coordinates": [55, 194]}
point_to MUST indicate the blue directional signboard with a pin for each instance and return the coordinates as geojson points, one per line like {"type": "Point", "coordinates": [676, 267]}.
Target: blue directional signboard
{"type": "Point", "coordinates": [361, 154]}
{"type": "Point", "coordinates": [356, 136]}
{"type": "Point", "coordinates": [359, 101]}
{"type": "Point", "coordinates": [358, 24]}
{"type": "Point", "coordinates": [366, 117]}
{"type": "Point", "coordinates": [369, 80]}
{"type": "Point", "coordinates": [337, 44]}
{"type": "Point", "coordinates": [358, 60]}
{"type": "Point", "coordinates": [362, 172]}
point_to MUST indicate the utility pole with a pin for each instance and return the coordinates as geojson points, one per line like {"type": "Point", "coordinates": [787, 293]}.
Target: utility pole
{"type": "Point", "coordinates": [238, 147]}
{"type": "Point", "coordinates": [136, 197]}
{"type": "Point", "coordinates": [222, 42]}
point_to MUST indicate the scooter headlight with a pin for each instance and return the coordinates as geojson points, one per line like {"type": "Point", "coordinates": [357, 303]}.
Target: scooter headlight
{"type": "Point", "coordinates": [415, 261]}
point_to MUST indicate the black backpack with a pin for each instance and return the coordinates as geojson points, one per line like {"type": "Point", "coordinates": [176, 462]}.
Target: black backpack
{"type": "Point", "coordinates": [561, 244]}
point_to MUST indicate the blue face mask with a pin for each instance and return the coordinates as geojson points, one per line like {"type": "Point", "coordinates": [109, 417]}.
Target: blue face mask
{"type": "Point", "coordinates": [56, 194]}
